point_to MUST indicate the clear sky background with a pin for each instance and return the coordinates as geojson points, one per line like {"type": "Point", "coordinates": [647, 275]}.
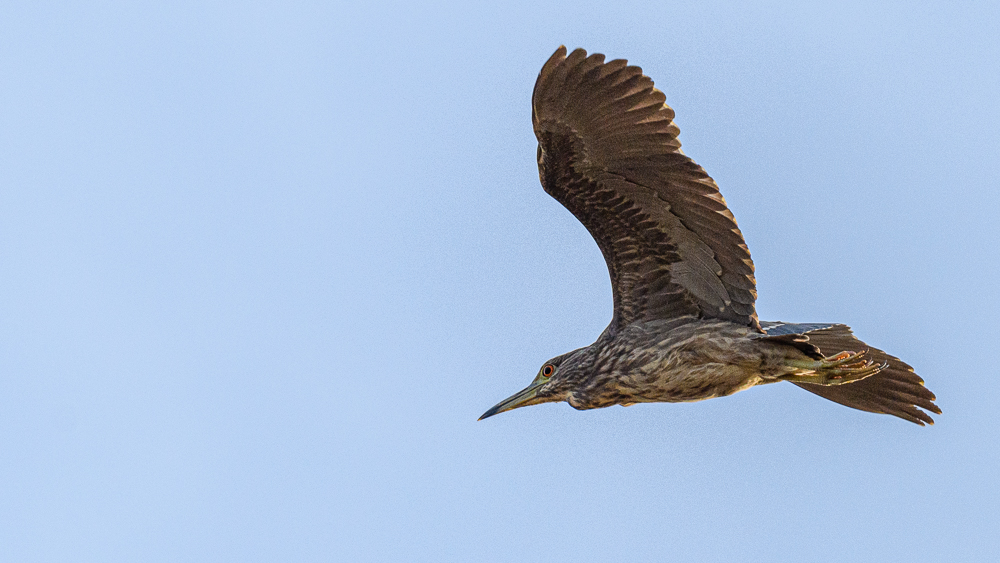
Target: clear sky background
{"type": "Point", "coordinates": [263, 264]}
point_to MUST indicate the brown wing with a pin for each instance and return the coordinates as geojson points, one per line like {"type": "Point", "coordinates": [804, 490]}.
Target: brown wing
{"type": "Point", "coordinates": [608, 151]}
{"type": "Point", "coordinates": [896, 390]}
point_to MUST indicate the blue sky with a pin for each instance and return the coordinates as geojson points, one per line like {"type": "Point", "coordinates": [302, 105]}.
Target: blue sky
{"type": "Point", "coordinates": [262, 266]}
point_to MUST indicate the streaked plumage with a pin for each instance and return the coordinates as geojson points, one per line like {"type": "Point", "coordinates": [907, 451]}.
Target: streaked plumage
{"type": "Point", "coordinates": [684, 326]}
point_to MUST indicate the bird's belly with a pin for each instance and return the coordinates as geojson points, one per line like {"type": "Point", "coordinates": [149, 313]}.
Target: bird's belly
{"type": "Point", "coordinates": [684, 383]}
{"type": "Point", "coordinates": [692, 362]}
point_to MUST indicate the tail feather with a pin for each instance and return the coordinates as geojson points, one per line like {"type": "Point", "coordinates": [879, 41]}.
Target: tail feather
{"type": "Point", "coordinates": [895, 390]}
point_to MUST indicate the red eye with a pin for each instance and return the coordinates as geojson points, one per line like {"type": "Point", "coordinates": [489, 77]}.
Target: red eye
{"type": "Point", "coordinates": [548, 370]}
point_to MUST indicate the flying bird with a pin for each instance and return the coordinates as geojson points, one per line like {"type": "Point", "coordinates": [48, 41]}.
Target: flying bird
{"type": "Point", "coordinates": [684, 326]}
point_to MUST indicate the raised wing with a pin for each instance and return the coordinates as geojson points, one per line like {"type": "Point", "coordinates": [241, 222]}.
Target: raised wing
{"type": "Point", "coordinates": [608, 151]}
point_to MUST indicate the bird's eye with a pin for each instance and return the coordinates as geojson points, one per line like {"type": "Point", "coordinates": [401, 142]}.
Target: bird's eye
{"type": "Point", "coordinates": [548, 370]}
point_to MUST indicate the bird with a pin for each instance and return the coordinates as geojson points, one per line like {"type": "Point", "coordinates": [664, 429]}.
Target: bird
{"type": "Point", "coordinates": [684, 325]}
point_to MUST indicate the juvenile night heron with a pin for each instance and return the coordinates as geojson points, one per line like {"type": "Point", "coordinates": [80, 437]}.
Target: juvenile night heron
{"type": "Point", "coordinates": [684, 326]}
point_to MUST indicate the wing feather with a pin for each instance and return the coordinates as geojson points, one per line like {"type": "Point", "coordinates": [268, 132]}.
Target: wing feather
{"type": "Point", "coordinates": [608, 151]}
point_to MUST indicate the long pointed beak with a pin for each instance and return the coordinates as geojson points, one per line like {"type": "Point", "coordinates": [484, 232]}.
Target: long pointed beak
{"type": "Point", "coordinates": [522, 398]}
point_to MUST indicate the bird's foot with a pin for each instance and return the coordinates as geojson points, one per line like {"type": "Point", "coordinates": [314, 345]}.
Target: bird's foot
{"type": "Point", "coordinates": [838, 369]}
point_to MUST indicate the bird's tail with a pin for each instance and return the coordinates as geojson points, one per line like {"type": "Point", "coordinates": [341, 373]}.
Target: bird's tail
{"type": "Point", "coordinates": [894, 390]}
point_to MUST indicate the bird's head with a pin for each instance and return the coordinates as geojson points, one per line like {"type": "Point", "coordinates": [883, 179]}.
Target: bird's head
{"type": "Point", "coordinates": [554, 382]}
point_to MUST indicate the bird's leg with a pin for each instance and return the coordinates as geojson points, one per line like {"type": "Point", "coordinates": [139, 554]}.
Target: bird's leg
{"type": "Point", "coordinates": [844, 367]}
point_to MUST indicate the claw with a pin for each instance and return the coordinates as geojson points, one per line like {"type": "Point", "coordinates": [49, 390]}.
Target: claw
{"type": "Point", "coordinates": [844, 358]}
{"type": "Point", "coordinates": [844, 367]}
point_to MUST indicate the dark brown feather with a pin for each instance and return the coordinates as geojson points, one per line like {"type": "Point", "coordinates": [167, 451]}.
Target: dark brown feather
{"type": "Point", "coordinates": [896, 390]}
{"type": "Point", "coordinates": [608, 151]}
